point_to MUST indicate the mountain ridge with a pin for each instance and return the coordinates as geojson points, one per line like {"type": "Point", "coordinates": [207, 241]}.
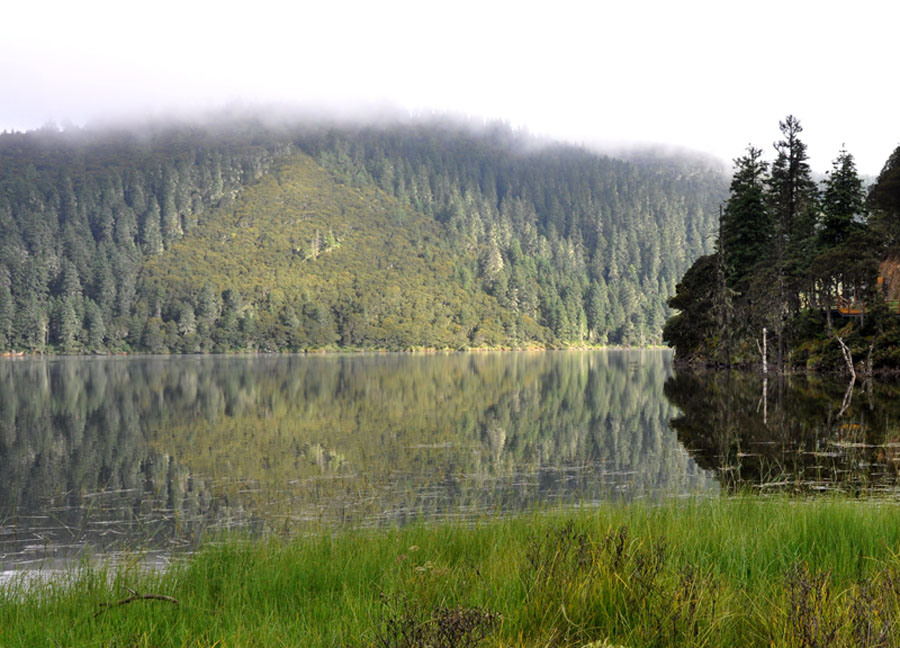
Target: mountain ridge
{"type": "Point", "coordinates": [543, 246]}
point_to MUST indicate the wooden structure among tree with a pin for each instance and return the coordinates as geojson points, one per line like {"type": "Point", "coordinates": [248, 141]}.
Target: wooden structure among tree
{"type": "Point", "coordinates": [889, 283]}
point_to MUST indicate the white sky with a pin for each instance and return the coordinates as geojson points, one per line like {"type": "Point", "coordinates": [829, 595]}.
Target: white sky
{"type": "Point", "coordinates": [711, 76]}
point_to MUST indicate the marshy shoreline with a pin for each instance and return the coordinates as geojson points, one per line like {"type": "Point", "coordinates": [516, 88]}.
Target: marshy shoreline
{"type": "Point", "coordinates": [726, 571]}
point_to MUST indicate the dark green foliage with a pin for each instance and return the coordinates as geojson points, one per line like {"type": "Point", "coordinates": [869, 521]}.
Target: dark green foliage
{"type": "Point", "coordinates": [789, 258]}
{"type": "Point", "coordinates": [746, 232]}
{"type": "Point", "coordinates": [94, 325]}
{"type": "Point", "coordinates": [693, 330]}
{"type": "Point", "coordinates": [538, 228]}
{"type": "Point", "coordinates": [476, 239]}
{"type": "Point", "coordinates": [884, 198]}
{"type": "Point", "coordinates": [793, 196]}
{"type": "Point", "coordinates": [7, 315]}
{"type": "Point", "coordinates": [793, 202]}
{"type": "Point", "coordinates": [64, 324]}
{"type": "Point", "coordinates": [78, 212]}
{"type": "Point", "coordinates": [843, 202]}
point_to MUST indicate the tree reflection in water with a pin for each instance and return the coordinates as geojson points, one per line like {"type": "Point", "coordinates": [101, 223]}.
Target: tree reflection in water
{"type": "Point", "coordinates": [155, 452]}
{"type": "Point", "coordinates": [803, 433]}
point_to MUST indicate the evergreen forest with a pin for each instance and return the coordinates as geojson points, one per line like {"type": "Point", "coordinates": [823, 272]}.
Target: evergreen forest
{"type": "Point", "coordinates": [245, 235]}
{"type": "Point", "coordinates": [805, 274]}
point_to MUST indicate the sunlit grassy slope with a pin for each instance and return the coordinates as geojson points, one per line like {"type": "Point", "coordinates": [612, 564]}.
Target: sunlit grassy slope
{"type": "Point", "coordinates": [306, 251]}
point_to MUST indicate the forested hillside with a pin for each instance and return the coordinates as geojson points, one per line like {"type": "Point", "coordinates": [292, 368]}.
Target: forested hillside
{"type": "Point", "coordinates": [248, 237]}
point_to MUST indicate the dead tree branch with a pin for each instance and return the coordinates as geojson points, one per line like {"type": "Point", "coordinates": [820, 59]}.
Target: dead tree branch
{"type": "Point", "coordinates": [136, 597]}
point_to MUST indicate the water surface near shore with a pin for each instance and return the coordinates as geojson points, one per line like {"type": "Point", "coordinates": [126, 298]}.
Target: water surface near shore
{"type": "Point", "coordinates": [101, 455]}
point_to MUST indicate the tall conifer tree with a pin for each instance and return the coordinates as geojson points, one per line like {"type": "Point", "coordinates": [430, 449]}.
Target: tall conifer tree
{"type": "Point", "coordinates": [746, 233]}
{"type": "Point", "coordinates": [843, 201]}
{"type": "Point", "coordinates": [793, 199]}
{"type": "Point", "coordinates": [793, 196]}
{"type": "Point", "coordinates": [884, 199]}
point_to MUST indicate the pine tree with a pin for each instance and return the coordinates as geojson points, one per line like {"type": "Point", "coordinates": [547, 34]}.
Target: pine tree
{"type": "Point", "coordinates": [843, 201]}
{"type": "Point", "coordinates": [151, 236]}
{"type": "Point", "coordinates": [31, 324]}
{"type": "Point", "coordinates": [746, 230]}
{"type": "Point", "coordinates": [170, 219]}
{"type": "Point", "coordinates": [597, 310]}
{"type": "Point", "coordinates": [208, 307]}
{"type": "Point", "coordinates": [693, 329]}
{"type": "Point", "coordinates": [793, 196]}
{"type": "Point", "coordinates": [884, 199]}
{"type": "Point", "coordinates": [67, 325]}
{"type": "Point", "coordinates": [94, 325]}
{"type": "Point", "coordinates": [69, 284]}
{"type": "Point", "coordinates": [793, 201]}
{"type": "Point", "coordinates": [7, 313]}
{"type": "Point", "coordinates": [154, 336]}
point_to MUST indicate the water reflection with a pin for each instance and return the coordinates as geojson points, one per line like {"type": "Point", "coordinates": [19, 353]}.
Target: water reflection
{"type": "Point", "coordinates": [114, 453]}
{"type": "Point", "coordinates": [795, 433]}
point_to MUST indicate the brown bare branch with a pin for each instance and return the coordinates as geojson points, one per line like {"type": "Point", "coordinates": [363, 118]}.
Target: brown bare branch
{"type": "Point", "coordinates": [136, 597]}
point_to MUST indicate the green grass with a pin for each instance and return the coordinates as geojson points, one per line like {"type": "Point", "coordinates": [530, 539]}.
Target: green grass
{"type": "Point", "coordinates": [725, 572]}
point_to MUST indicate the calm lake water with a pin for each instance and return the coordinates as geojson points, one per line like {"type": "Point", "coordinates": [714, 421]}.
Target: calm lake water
{"type": "Point", "coordinates": [101, 455]}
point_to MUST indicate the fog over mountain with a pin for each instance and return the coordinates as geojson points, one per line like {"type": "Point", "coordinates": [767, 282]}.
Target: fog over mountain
{"type": "Point", "coordinates": [265, 234]}
{"type": "Point", "coordinates": [697, 75]}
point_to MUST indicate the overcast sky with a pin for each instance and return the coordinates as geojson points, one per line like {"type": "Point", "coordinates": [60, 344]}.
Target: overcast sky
{"type": "Point", "coordinates": [710, 76]}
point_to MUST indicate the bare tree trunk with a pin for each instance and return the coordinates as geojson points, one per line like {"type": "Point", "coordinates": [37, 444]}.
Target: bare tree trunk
{"type": "Point", "coordinates": [763, 352]}
{"type": "Point", "coordinates": [848, 357]}
{"type": "Point", "coordinates": [848, 396]}
{"type": "Point", "coordinates": [764, 400]}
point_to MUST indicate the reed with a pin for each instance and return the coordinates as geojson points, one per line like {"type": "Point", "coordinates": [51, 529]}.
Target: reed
{"type": "Point", "coordinates": [737, 571]}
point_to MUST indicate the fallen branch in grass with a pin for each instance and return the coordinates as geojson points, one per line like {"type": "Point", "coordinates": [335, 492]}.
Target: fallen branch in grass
{"type": "Point", "coordinates": [136, 597]}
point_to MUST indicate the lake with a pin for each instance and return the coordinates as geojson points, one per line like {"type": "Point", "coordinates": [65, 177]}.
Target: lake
{"type": "Point", "coordinates": [113, 454]}
{"type": "Point", "coordinates": [802, 434]}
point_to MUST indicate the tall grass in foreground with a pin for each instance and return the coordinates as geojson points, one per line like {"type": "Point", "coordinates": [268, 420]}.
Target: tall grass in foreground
{"type": "Point", "coordinates": [725, 572]}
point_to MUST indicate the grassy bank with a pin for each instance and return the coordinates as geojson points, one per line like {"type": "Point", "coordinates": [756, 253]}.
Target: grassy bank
{"type": "Point", "coordinates": [729, 572]}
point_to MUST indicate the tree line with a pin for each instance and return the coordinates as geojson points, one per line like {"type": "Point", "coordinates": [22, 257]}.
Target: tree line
{"type": "Point", "coordinates": [81, 211]}
{"type": "Point", "coordinates": [586, 246]}
{"type": "Point", "coordinates": [790, 252]}
{"type": "Point", "coordinates": [530, 244]}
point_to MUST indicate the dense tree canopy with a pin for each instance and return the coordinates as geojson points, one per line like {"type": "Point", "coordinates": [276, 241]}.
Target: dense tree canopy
{"type": "Point", "coordinates": [250, 237]}
{"type": "Point", "coordinates": [746, 228]}
{"type": "Point", "coordinates": [884, 198]}
{"type": "Point", "coordinates": [791, 258]}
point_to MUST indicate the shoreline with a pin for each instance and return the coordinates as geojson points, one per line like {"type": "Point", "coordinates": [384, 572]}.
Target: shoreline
{"type": "Point", "coordinates": [697, 572]}
{"type": "Point", "coordinates": [337, 351]}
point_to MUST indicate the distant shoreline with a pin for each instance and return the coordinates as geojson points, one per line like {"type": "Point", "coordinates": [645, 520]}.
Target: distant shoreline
{"type": "Point", "coordinates": [347, 351]}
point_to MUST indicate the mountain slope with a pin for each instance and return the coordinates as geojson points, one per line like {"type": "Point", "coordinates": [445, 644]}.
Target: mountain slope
{"type": "Point", "coordinates": [304, 261]}
{"type": "Point", "coordinates": [583, 243]}
{"type": "Point", "coordinates": [244, 236]}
